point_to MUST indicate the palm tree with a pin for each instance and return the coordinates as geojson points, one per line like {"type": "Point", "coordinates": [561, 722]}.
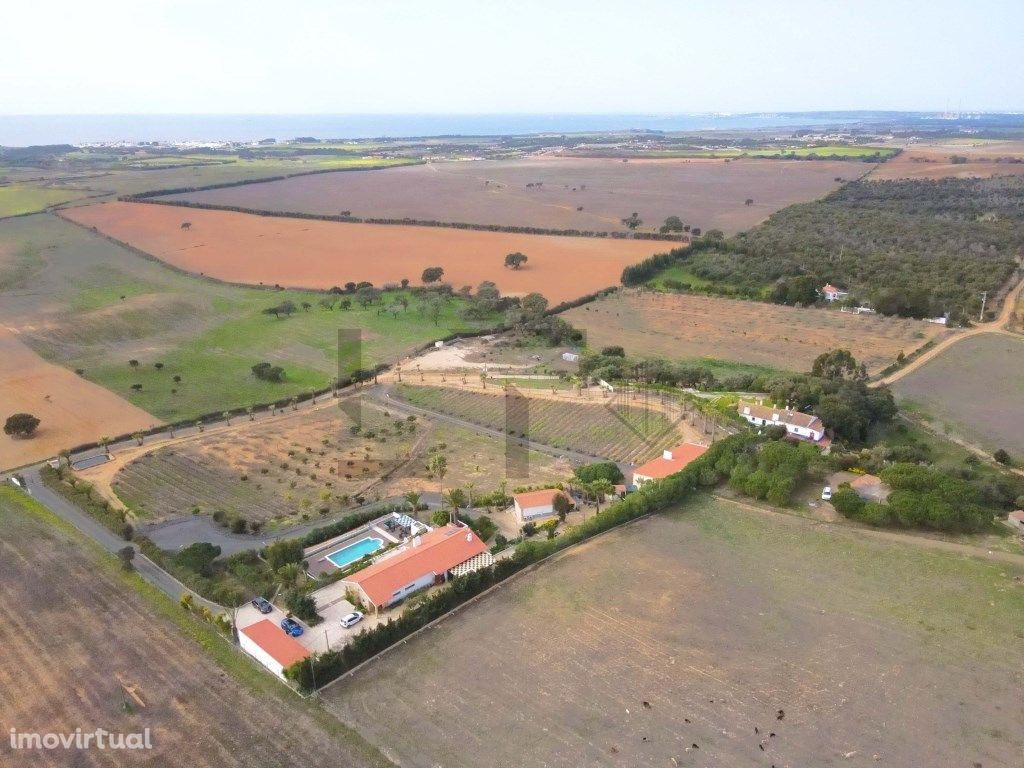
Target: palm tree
{"type": "Point", "coordinates": [105, 443]}
{"type": "Point", "coordinates": [138, 437]}
{"type": "Point", "coordinates": [227, 417]}
{"type": "Point", "coordinates": [250, 410]}
{"type": "Point", "coordinates": [66, 455]}
{"type": "Point", "coordinates": [483, 379]}
{"type": "Point", "coordinates": [438, 467]}
{"type": "Point", "coordinates": [290, 575]}
{"type": "Point", "coordinates": [502, 488]}
{"type": "Point", "coordinates": [412, 498]}
{"type": "Point", "coordinates": [453, 498]}
{"type": "Point", "coordinates": [600, 488]}
{"type": "Point", "coordinates": [199, 424]}
{"type": "Point", "coordinates": [295, 403]}
{"type": "Point", "coordinates": [469, 491]}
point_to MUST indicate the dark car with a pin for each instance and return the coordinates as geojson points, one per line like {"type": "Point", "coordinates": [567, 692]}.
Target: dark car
{"type": "Point", "coordinates": [262, 605]}
{"type": "Point", "coordinates": [292, 627]}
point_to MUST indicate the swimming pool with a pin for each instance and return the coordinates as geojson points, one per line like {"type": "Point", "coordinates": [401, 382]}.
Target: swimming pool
{"type": "Point", "coordinates": [354, 551]}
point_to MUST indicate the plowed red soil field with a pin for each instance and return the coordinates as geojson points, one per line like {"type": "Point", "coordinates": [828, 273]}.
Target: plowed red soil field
{"type": "Point", "coordinates": [244, 248]}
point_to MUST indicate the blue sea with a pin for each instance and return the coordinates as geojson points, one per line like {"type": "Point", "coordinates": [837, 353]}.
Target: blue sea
{"type": "Point", "coordinates": [24, 130]}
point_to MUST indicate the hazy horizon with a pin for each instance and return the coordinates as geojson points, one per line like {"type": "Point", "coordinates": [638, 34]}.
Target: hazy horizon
{"type": "Point", "coordinates": [116, 57]}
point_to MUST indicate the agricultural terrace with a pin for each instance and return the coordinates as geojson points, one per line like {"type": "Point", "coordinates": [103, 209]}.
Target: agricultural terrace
{"type": "Point", "coordinates": [714, 636]}
{"type": "Point", "coordinates": [628, 433]}
{"type": "Point", "coordinates": [64, 667]}
{"type": "Point", "coordinates": [243, 248]}
{"type": "Point", "coordinates": [586, 194]}
{"type": "Point", "coordinates": [684, 326]}
{"type": "Point", "coordinates": [974, 390]}
{"type": "Point", "coordinates": [312, 464]}
{"type": "Point", "coordinates": [954, 158]}
{"type": "Point", "coordinates": [87, 304]}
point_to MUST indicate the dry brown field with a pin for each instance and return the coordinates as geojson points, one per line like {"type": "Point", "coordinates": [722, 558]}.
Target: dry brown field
{"type": "Point", "coordinates": [72, 410]}
{"type": "Point", "coordinates": [719, 637]}
{"type": "Point", "coordinates": [74, 630]}
{"type": "Point", "coordinates": [687, 326]}
{"type": "Point", "coordinates": [252, 249]}
{"type": "Point", "coordinates": [707, 193]}
{"type": "Point", "coordinates": [933, 160]}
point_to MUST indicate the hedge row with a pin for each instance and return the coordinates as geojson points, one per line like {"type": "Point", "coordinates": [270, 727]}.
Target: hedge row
{"type": "Point", "coordinates": [519, 230]}
{"type": "Point", "coordinates": [710, 469]}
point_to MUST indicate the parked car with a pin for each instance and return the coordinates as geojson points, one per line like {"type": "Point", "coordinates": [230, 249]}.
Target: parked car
{"type": "Point", "coordinates": [291, 626]}
{"type": "Point", "coordinates": [826, 493]}
{"type": "Point", "coordinates": [351, 619]}
{"type": "Point", "coordinates": [262, 605]}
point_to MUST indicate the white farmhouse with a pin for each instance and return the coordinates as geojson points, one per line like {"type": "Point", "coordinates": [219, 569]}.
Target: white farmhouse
{"type": "Point", "coordinates": [803, 426]}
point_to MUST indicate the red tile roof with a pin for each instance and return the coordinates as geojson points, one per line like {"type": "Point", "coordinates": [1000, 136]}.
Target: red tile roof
{"type": "Point", "coordinates": [437, 552]}
{"type": "Point", "coordinates": [282, 647]}
{"type": "Point", "coordinates": [1017, 515]}
{"type": "Point", "coordinates": [661, 467]}
{"type": "Point", "coordinates": [539, 498]}
{"type": "Point", "coordinates": [785, 416]}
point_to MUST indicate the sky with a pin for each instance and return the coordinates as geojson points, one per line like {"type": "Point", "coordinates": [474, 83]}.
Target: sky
{"type": "Point", "coordinates": [529, 56]}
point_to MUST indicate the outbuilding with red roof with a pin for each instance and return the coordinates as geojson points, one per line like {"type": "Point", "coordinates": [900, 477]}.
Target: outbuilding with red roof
{"type": "Point", "coordinates": [670, 462]}
{"type": "Point", "coordinates": [271, 646]}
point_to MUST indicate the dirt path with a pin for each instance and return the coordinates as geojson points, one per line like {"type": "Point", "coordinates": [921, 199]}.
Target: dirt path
{"type": "Point", "coordinates": [898, 537]}
{"type": "Point", "coordinates": [999, 325]}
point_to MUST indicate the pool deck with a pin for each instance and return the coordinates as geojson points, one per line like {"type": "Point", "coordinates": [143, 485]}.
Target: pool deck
{"type": "Point", "coordinates": [316, 555]}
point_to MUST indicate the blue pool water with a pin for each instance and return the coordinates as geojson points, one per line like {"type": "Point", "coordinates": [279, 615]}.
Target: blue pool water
{"type": "Point", "coordinates": [354, 551]}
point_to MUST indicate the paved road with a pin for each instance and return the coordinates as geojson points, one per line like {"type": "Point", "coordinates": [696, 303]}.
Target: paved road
{"type": "Point", "coordinates": [149, 570]}
{"type": "Point", "coordinates": [175, 534]}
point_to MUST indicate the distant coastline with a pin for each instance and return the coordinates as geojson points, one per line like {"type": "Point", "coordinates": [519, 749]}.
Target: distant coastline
{"type": "Point", "coordinates": [24, 130]}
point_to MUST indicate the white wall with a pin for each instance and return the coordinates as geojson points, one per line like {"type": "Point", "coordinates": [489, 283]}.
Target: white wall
{"type": "Point", "coordinates": [422, 582]}
{"type": "Point", "coordinates": [531, 513]}
{"type": "Point", "coordinates": [249, 646]}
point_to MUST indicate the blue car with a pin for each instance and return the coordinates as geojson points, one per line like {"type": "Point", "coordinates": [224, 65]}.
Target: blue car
{"type": "Point", "coordinates": [291, 626]}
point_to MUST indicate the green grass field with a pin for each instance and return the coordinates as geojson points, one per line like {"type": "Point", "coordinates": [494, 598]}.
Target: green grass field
{"type": "Point", "coordinates": [19, 199]}
{"type": "Point", "coordinates": [106, 306]}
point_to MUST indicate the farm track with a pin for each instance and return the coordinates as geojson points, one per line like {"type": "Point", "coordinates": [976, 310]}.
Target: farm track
{"type": "Point", "coordinates": [998, 326]}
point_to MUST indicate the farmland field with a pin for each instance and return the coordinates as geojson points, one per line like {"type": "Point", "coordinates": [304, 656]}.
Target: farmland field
{"type": "Point", "coordinates": [974, 390]}
{"type": "Point", "coordinates": [244, 248]}
{"type": "Point", "coordinates": [933, 160]}
{"type": "Point", "coordinates": [18, 199]}
{"type": "Point", "coordinates": [63, 667]}
{"type": "Point", "coordinates": [72, 411]}
{"type": "Point", "coordinates": [121, 178]}
{"type": "Point", "coordinates": [311, 465]}
{"type": "Point", "coordinates": [714, 636]}
{"type": "Point", "coordinates": [689, 326]}
{"type": "Point", "coordinates": [550, 192]}
{"type": "Point", "coordinates": [619, 433]}
{"type": "Point", "coordinates": [85, 303]}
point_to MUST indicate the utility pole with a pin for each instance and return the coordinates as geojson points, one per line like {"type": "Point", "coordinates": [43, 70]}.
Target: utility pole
{"type": "Point", "coordinates": [981, 315]}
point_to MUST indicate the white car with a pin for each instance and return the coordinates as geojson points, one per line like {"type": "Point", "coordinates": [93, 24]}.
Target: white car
{"type": "Point", "coordinates": [351, 619]}
{"type": "Point", "coordinates": [826, 494]}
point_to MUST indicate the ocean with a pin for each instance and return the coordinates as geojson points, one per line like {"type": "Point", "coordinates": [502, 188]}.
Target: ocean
{"type": "Point", "coordinates": [25, 130]}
